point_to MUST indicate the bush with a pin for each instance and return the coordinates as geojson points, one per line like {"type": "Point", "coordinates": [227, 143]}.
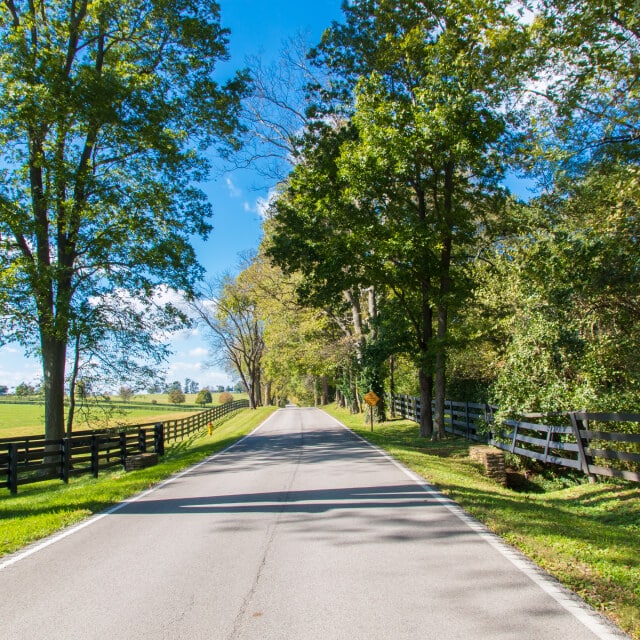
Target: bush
{"type": "Point", "coordinates": [225, 397]}
{"type": "Point", "coordinates": [176, 396]}
{"type": "Point", "coordinates": [204, 397]}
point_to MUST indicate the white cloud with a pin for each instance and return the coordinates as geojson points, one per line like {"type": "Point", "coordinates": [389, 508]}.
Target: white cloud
{"type": "Point", "coordinates": [199, 352]}
{"type": "Point", "coordinates": [17, 368]}
{"type": "Point", "coordinates": [234, 192]}
{"type": "Point", "coordinates": [199, 371]}
{"type": "Point", "coordinates": [263, 204]}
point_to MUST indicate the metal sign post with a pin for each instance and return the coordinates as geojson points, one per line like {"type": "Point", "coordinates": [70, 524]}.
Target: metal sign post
{"type": "Point", "coordinates": [372, 400]}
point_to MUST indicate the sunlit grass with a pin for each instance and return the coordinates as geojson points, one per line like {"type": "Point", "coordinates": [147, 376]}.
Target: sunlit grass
{"type": "Point", "coordinates": [41, 509]}
{"type": "Point", "coordinates": [586, 535]}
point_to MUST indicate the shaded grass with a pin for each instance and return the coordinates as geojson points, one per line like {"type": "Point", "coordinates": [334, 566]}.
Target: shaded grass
{"type": "Point", "coordinates": [586, 535]}
{"type": "Point", "coordinates": [42, 509]}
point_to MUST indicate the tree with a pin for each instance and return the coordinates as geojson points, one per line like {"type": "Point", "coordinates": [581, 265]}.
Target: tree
{"type": "Point", "coordinates": [125, 393]}
{"type": "Point", "coordinates": [176, 396]}
{"type": "Point", "coordinates": [586, 98]}
{"type": "Point", "coordinates": [115, 338]}
{"type": "Point", "coordinates": [302, 345]}
{"type": "Point", "coordinates": [104, 109]}
{"type": "Point", "coordinates": [392, 199]}
{"type": "Point", "coordinates": [3, 389]}
{"type": "Point", "coordinates": [228, 311]}
{"type": "Point", "coordinates": [174, 385]}
{"type": "Point", "coordinates": [204, 397]}
{"type": "Point", "coordinates": [24, 389]}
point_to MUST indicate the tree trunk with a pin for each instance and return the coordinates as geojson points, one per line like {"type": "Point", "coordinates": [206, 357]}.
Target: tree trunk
{"type": "Point", "coordinates": [268, 400]}
{"type": "Point", "coordinates": [72, 385]}
{"type": "Point", "coordinates": [392, 384]}
{"type": "Point", "coordinates": [426, 398]}
{"type": "Point", "coordinates": [441, 359]}
{"type": "Point", "coordinates": [53, 365]}
{"type": "Point", "coordinates": [445, 290]}
{"type": "Point", "coordinates": [325, 391]}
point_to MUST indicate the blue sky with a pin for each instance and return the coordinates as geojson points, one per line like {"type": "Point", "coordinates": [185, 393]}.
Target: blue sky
{"type": "Point", "coordinates": [258, 27]}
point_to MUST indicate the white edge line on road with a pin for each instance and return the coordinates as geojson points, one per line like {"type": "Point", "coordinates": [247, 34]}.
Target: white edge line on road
{"type": "Point", "coordinates": [579, 609]}
{"type": "Point", "coordinates": [57, 537]}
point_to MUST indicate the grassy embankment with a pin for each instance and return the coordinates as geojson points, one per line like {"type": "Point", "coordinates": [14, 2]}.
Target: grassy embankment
{"type": "Point", "coordinates": [586, 535]}
{"type": "Point", "coordinates": [27, 418]}
{"type": "Point", "coordinates": [42, 509]}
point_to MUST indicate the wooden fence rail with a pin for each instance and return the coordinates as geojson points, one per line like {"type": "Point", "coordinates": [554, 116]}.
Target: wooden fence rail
{"type": "Point", "coordinates": [35, 459]}
{"type": "Point", "coordinates": [612, 449]}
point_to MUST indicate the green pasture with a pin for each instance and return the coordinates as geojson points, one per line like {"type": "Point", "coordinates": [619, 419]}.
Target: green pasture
{"type": "Point", "coordinates": [26, 418]}
{"type": "Point", "coordinates": [586, 535]}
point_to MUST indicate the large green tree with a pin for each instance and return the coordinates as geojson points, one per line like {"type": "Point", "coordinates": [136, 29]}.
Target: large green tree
{"type": "Point", "coordinates": [410, 180]}
{"type": "Point", "coordinates": [105, 107]}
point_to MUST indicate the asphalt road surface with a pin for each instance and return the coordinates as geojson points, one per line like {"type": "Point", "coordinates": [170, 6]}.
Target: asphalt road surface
{"type": "Point", "coordinates": [300, 531]}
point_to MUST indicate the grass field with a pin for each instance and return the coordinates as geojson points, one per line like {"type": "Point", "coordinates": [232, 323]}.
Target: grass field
{"type": "Point", "coordinates": [27, 418]}
{"type": "Point", "coordinates": [43, 508]}
{"type": "Point", "coordinates": [586, 535]}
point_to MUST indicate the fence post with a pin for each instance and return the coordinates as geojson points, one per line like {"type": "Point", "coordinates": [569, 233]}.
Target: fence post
{"type": "Point", "coordinates": [488, 418]}
{"type": "Point", "coordinates": [142, 440]}
{"type": "Point", "coordinates": [123, 447]}
{"type": "Point", "coordinates": [515, 436]}
{"type": "Point", "coordinates": [584, 463]}
{"type": "Point", "coordinates": [65, 459]}
{"type": "Point", "coordinates": [466, 418]}
{"type": "Point", "coordinates": [158, 438]}
{"type": "Point", "coordinates": [12, 470]}
{"type": "Point", "coordinates": [95, 458]}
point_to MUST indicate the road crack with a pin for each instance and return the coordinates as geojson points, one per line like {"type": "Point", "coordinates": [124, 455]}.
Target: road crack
{"type": "Point", "coordinates": [271, 531]}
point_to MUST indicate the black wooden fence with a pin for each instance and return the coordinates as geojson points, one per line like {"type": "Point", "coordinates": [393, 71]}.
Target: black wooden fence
{"type": "Point", "coordinates": [606, 444]}
{"type": "Point", "coordinates": [35, 459]}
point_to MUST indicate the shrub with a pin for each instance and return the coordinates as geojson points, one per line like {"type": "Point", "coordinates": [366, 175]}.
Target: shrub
{"type": "Point", "coordinates": [225, 397]}
{"type": "Point", "coordinates": [204, 397]}
{"type": "Point", "coordinates": [176, 396]}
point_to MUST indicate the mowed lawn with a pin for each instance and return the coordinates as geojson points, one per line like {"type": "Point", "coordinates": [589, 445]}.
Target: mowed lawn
{"type": "Point", "coordinates": [28, 419]}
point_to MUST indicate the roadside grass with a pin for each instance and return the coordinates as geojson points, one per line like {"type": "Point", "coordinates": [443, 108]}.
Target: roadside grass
{"type": "Point", "coordinates": [586, 535]}
{"type": "Point", "coordinates": [41, 509]}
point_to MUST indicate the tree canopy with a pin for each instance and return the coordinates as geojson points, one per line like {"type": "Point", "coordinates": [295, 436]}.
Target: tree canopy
{"type": "Point", "coordinates": [106, 109]}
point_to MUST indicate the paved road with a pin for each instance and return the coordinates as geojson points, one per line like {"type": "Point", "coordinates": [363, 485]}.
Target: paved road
{"type": "Point", "coordinates": [301, 531]}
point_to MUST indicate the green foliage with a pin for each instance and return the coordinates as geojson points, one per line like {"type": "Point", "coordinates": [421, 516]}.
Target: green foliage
{"type": "Point", "coordinates": [204, 397]}
{"type": "Point", "coordinates": [176, 396]}
{"type": "Point", "coordinates": [24, 389]}
{"type": "Point", "coordinates": [562, 298]}
{"type": "Point", "coordinates": [105, 110]}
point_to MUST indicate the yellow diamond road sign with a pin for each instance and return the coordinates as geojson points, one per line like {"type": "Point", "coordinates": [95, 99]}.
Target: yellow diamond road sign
{"type": "Point", "coordinates": [372, 399]}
